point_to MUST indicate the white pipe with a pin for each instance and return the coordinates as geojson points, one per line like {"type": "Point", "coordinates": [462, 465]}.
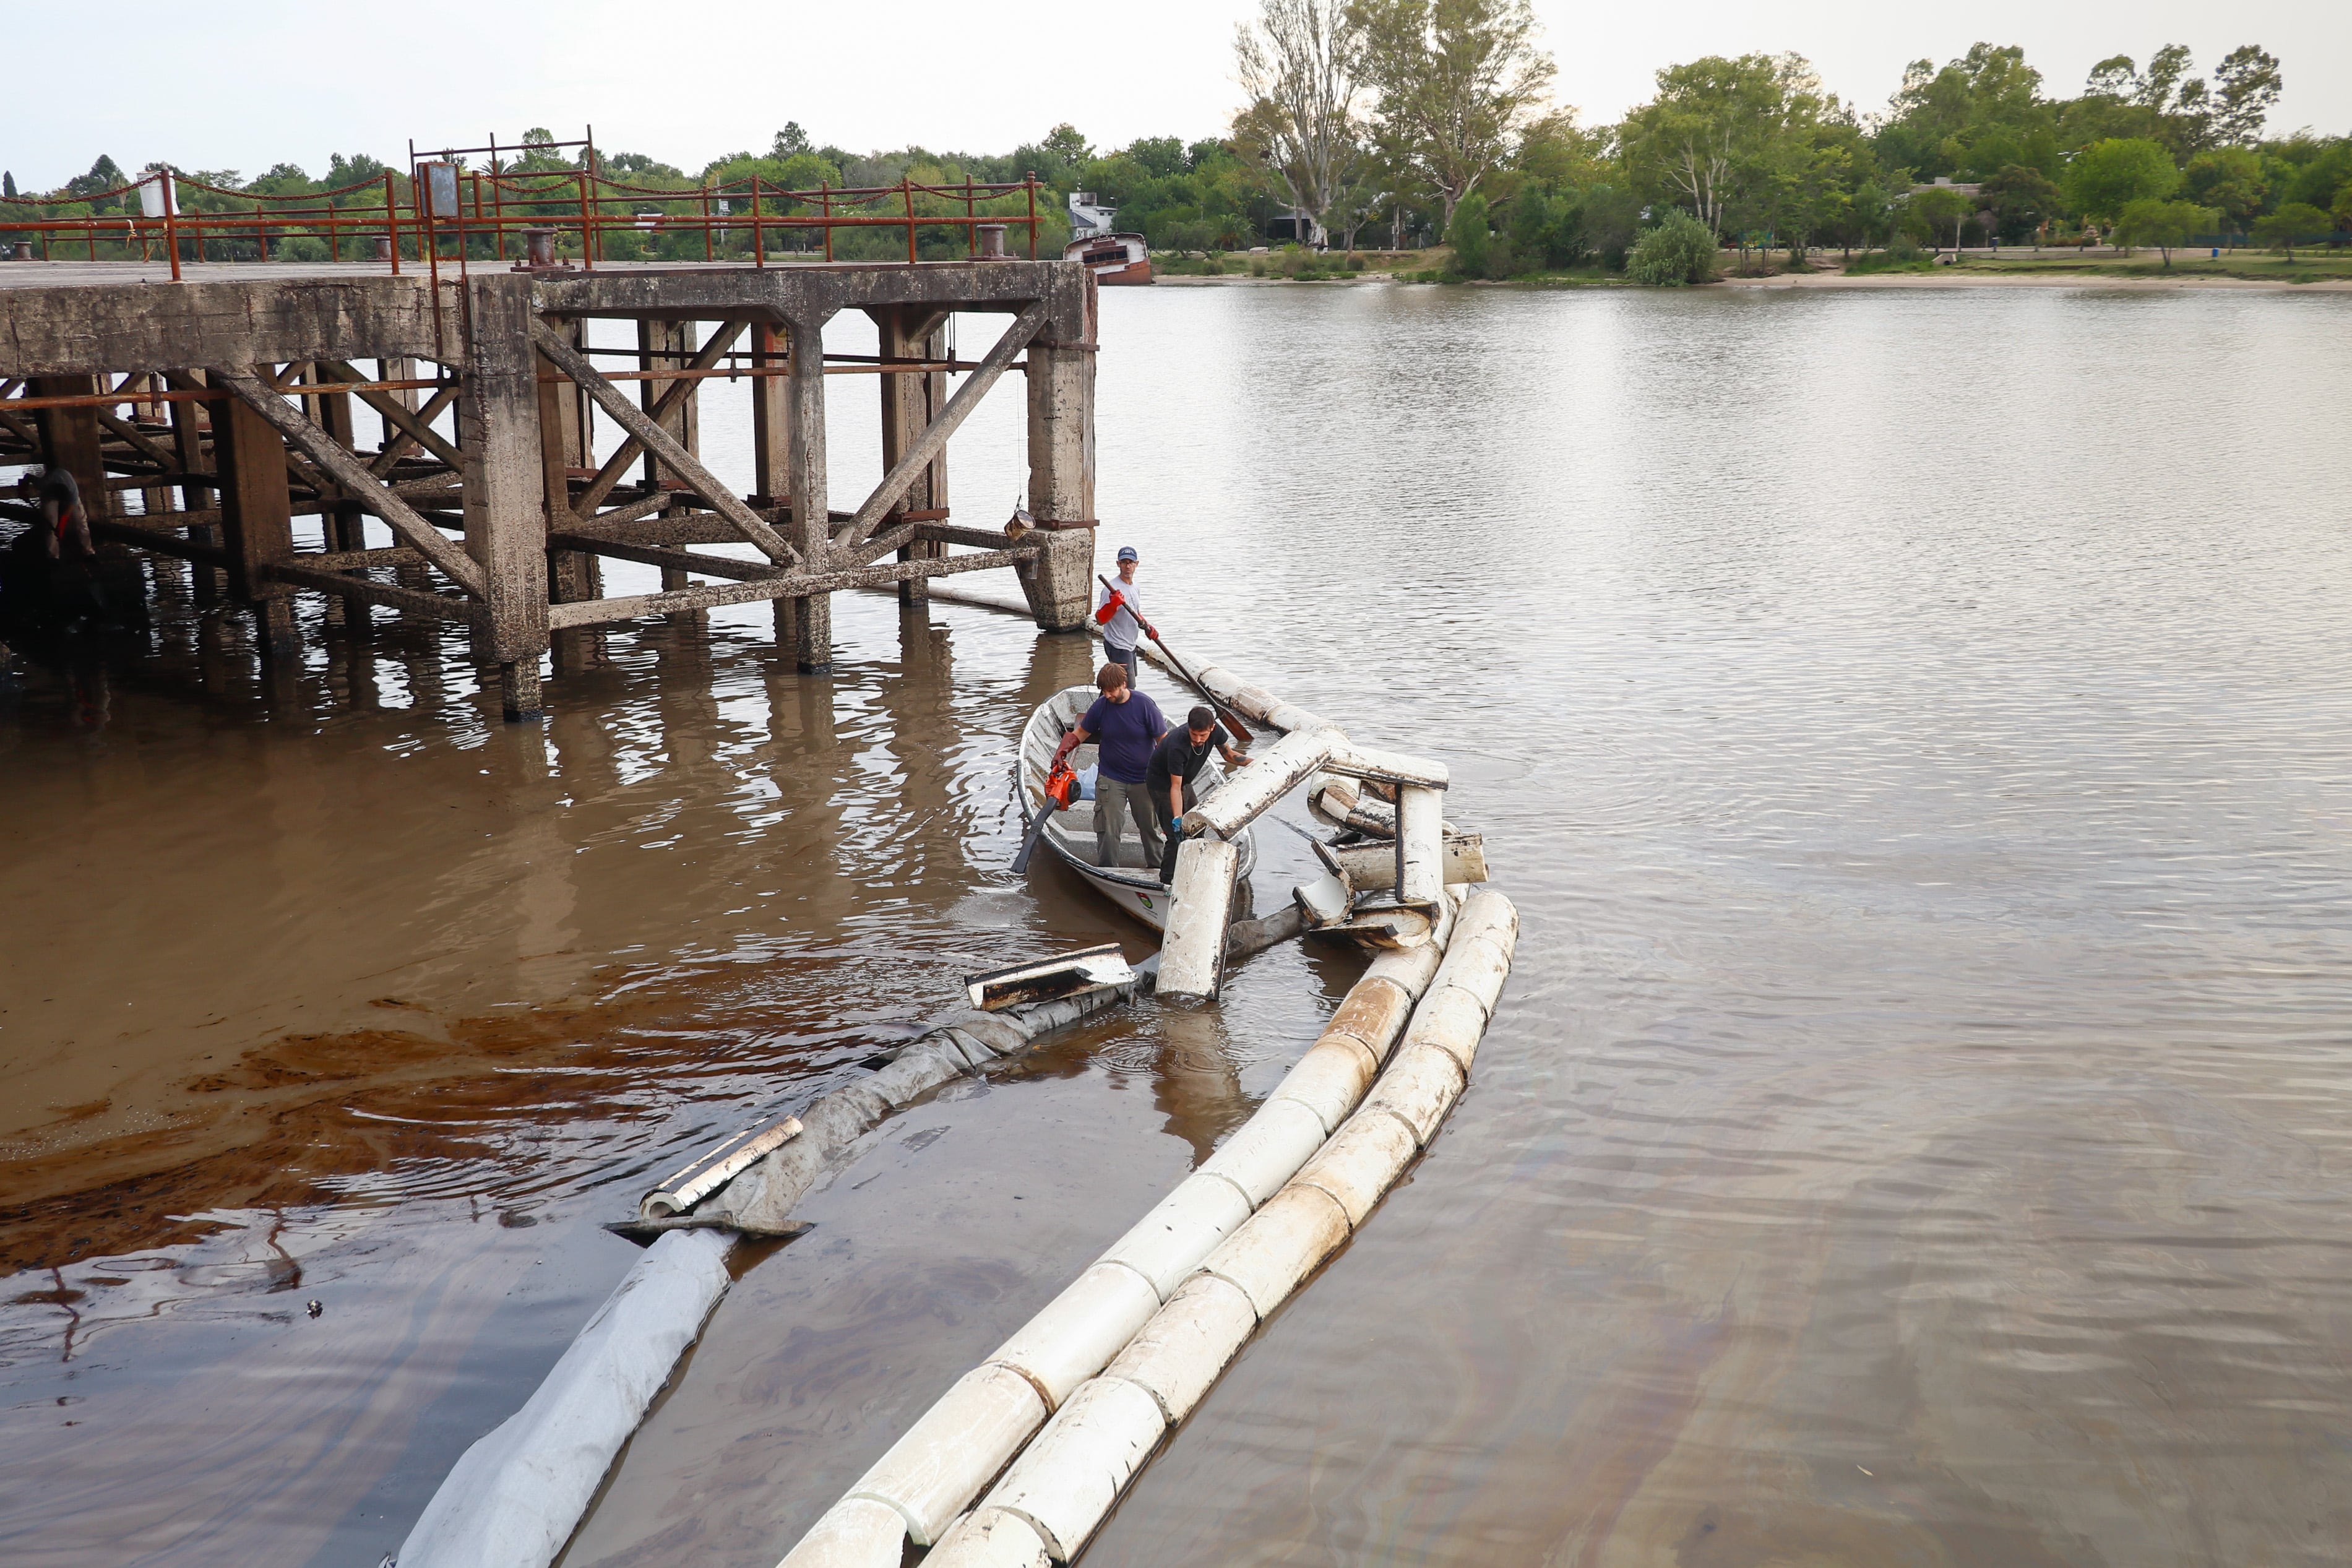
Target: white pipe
{"type": "Point", "coordinates": [1170, 1242]}
{"type": "Point", "coordinates": [1297, 1228]}
{"type": "Point", "coordinates": [1421, 846]}
{"type": "Point", "coordinates": [1248, 791]}
{"type": "Point", "coordinates": [954, 1449]}
{"type": "Point", "coordinates": [1059, 1488]}
{"type": "Point", "coordinates": [1192, 951]}
{"type": "Point", "coordinates": [1065, 1483]}
{"type": "Point", "coordinates": [1079, 1331]}
{"type": "Point", "coordinates": [1165, 1248]}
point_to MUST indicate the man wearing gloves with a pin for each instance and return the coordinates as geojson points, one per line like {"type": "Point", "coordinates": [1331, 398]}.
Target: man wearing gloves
{"type": "Point", "coordinates": [1118, 610]}
{"type": "Point", "coordinates": [1175, 761]}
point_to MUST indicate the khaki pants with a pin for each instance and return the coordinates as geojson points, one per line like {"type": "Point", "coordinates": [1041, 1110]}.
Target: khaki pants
{"type": "Point", "coordinates": [1112, 800]}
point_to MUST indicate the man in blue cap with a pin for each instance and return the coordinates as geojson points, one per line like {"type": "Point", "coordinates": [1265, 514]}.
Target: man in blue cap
{"type": "Point", "coordinates": [1118, 610]}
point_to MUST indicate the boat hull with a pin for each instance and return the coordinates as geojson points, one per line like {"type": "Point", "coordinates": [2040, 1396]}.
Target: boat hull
{"type": "Point", "coordinates": [1136, 889]}
{"type": "Point", "coordinates": [1113, 259]}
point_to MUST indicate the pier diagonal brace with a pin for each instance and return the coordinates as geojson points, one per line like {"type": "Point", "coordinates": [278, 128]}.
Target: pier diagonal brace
{"type": "Point", "coordinates": [617, 465]}
{"type": "Point", "coordinates": [344, 467]}
{"type": "Point", "coordinates": [1026, 326]}
{"type": "Point", "coordinates": [663, 445]}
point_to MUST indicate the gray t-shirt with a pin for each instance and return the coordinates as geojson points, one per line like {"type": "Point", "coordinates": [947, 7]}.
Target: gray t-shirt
{"type": "Point", "coordinates": [1122, 629]}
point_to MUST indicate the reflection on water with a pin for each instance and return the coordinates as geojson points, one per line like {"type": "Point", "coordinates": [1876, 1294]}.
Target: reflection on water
{"type": "Point", "coordinates": [1917, 1126]}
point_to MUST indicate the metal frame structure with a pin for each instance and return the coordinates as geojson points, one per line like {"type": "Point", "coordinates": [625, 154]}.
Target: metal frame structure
{"type": "Point", "coordinates": [228, 406]}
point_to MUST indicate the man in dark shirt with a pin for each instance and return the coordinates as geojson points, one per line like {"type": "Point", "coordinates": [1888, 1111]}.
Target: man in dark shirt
{"type": "Point", "coordinates": [1175, 761]}
{"type": "Point", "coordinates": [1129, 725]}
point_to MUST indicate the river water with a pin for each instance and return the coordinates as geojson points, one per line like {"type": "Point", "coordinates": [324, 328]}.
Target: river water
{"type": "Point", "coordinates": [1913, 726]}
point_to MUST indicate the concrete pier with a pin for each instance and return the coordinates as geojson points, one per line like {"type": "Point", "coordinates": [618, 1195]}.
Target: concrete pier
{"type": "Point", "coordinates": [204, 397]}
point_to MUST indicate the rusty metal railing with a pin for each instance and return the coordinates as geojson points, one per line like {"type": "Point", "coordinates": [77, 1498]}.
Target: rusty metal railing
{"type": "Point", "coordinates": [491, 208]}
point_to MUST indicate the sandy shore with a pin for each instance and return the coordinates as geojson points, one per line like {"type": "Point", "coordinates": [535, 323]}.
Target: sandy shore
{"type": "Point", "coordinates": [1949, 279]}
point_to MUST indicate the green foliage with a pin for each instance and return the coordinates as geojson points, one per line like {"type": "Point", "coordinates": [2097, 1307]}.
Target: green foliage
{"type": "Point", "coordinates": [2020, 200]}
{"type": "Point", "coordinates": [302, 247]}
{"type": "Point", "coordinates": [2293, 221]}
{"type": "Point", "coordinates": [1939, 212]}
{"type": "Point", "coordinates": [2109, 176]}
{"type": "Point", "coordinates": [1470, 236]}
{"type": "Point", "coordinates": [2229, 179]}
{"type": "Point", "coordinates": [1677, 251]}
{"type": "Point", "coordinates": [2164, 225]}
{"type": "Point", "coordinates": [1611, 222]}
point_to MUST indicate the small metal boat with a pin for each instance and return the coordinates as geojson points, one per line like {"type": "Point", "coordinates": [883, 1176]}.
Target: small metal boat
{"type": "Point", "coordinates": [1132, 885]}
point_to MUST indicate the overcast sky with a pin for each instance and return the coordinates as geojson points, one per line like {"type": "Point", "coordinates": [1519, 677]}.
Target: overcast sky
{"type": "Point", "coordinates": [242, 84]}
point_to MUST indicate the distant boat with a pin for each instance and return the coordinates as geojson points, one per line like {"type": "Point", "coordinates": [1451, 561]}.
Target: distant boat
{"type": "Point", "coordinates": [1111, 256]}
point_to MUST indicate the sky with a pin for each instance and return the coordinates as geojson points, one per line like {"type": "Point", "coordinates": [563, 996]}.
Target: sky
{"type": "Point", "coordinates": [244, 84]}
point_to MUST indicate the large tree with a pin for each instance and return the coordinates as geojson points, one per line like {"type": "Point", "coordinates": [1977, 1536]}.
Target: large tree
{"type": "Point", "coordinates": [1299, 65]}
{"type": "Point", "coordinates": [1719, 128]}
{"type": "Point", "coordinates": [1458, 80]}
{"type": "Point", "coordinates": [2107, 176]}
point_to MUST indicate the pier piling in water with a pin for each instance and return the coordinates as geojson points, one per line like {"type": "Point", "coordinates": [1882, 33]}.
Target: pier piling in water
{"type": "Point", "coordinates": [500, 508]}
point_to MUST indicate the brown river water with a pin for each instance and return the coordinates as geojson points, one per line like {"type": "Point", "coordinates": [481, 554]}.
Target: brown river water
{"type": "Point", "coordinates": [1917, 729]}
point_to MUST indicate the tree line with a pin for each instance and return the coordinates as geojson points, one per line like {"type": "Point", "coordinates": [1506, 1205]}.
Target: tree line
{"type": "Point", "coordinates": [1397, 124]}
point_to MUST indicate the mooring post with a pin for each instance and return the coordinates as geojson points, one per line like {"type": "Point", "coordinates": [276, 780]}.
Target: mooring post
{"type": "Point", "coordinates": [1058, 579]}
{"type": "Point", "coordinates": [256, 518]}
{"type": "Point", "coordinates": [771, 445]}
{"type": "Point", "coordinates": [812, 519]}
{"type": "Point", "coordinates": [506, 525]}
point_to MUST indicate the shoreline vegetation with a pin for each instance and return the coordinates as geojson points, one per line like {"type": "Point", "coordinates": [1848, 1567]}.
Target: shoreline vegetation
{"type": "Point", "coordinates": [1429, 127]}
{"type": "Point", "coordinates": [2105, 267]}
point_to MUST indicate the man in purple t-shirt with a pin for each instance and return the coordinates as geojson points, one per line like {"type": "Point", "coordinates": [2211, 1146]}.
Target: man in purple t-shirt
{"type": "Point", "coordinates": [1128, 726]}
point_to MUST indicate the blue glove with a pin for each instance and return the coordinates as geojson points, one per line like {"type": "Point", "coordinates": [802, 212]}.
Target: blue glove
{"type": "Point", "coordinates": [1175, 825]}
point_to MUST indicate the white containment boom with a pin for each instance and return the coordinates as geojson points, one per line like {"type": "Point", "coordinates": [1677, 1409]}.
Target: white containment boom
{"type": "Point", "coordinates": [1419, 846]}
{"type": "Point", "coordinates": [1192, 955]}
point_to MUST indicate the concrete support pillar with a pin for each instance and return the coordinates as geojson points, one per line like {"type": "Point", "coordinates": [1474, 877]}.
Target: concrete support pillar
{"type": "Point", "coordinates": [257, 518]}
{"type": "Point", "coordinates": [908, 405]}
{"type": "Point", "coordinates": [669, 345]}
{"type": "Point", "coordinates": [565, 447]}
{"type": "Point", "coordinates": [1059, 579]}
{"type": "Point", "coordinates": [812, 514]}
{"type": "Point", "coordinates": [70, 439]}
{"type": "Point", "coordinates": [506, 520]}
{"type": "Point", "coordinates": [772, 447]}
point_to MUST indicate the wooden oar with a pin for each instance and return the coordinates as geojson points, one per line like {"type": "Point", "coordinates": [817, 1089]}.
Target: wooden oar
{"type": "Point", "coordinates": [1232, 719]}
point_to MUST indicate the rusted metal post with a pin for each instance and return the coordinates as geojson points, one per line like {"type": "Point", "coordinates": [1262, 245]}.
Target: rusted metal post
{"type": "Point", "coordinates": [825, 205]}
{"type": "Point", "coordinates": [172, 223]}
{"type": "Point", "coordinates": [813, 623]}
{"type": "Point", "coordinates": [759, 238]}
{"type": "Point", "coordinates": [907, 189]}
{"type": "Point", "coordinates": [392, 220]}
{"type": "Point", "coordinates": [506, 519]}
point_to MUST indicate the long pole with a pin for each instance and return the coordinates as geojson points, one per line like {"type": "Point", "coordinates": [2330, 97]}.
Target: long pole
{"type": "Point", "coordinates": [1232, 719]}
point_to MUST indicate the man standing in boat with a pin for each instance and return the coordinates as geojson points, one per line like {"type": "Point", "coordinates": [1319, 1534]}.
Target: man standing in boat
{"type": "Point", "coordinates": [1175, 762]}
{"type": "Point", "coordinates": [1118, 610]}
{"type": "Point", "coordinates": [1129, 725]}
